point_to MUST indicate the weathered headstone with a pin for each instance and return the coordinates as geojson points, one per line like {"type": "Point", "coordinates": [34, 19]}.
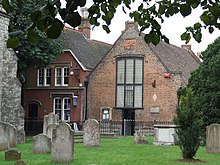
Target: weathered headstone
{"type": "Point", "coordinates": [12, 154]}
{"type": "Point", "coordinates": [164, 134]}
{"type": "Point", "coordinates": [139, 138]}
{"type": "Point", "coordinates": [8, 137]}
{"type": "Point", "coordinates": [50, 129]}
{"type": "Point", "coordinates": [41, 144]}
{"type": "Point", "coordinates": [91, 134]}
{"type": "Point", "coordinates": [20, 162]}
{"type": "Point", "coordinates": [62, 146]}
{"type": "Point", "coordinates": [11, 110]}
{"type": "Point", "coordinates": [51, 118]}
{"type": "Point", "coordinates": [213, 138]}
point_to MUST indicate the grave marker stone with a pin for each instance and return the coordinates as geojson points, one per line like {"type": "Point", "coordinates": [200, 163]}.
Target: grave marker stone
{"type": "Point", "coordinates": [91, 134]}
{"type": "Point", "coordinates": [20, 162]}
{"type": "Point", "coordinates": [8, 137]}
{"type": "Point", "coordinates": [41, 144]}
{"type": "Point", "coordinates": [139, 138]}
{"type": "Point", "coordinates": [51, 118]}
{"type": "Point", "coordinates": [62, 146]}
{"type": "Point", "coordinates": [12, 154]}
{"type": "Point", "coordinates": [213, 138]}
{"type": "Point", "coordinates": [50, 129]}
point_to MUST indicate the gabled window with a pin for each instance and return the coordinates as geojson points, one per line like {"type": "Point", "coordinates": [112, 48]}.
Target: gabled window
{"type": "Point", "coordinates": [129, 84]}
{"type": "Point", "coordinates": [62, 108]}
{"type": "Point", "coordinates": [44, 77]}
{"type": "Point", "coordinates": [62, 76]}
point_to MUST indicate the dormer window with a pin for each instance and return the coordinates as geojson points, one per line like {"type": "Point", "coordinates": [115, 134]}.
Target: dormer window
{"type": "Point", "coordinates": [62, 76]}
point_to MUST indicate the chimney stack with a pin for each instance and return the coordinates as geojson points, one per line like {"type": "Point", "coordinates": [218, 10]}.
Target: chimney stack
{"type": "Point", "coordinates": [85, 26]}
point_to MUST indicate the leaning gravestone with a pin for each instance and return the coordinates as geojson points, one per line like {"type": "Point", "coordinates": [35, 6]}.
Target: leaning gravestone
{"type": "Point", "coordinates": [12, 154]}
{"type": "Point", "coordinates": [62, 146]}
{"type": "Point", "coordinates": [50, 129]}
{"type": "Point", "coordinates": [8, 137]}
{"type": "Point", "coordinates": [11, 110]}
{"type": "Point", "coordinates": [51, 118]}
{"type": "Point", "coordinates": [213, 138]}
{"type": "Point", "coordinates": [91, 135]}
{"type": "Point", "coordinates": [41, 144]}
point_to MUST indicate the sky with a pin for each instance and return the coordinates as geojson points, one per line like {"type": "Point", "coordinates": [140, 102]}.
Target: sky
{"type": "Point", "coordinates": [172, 27]}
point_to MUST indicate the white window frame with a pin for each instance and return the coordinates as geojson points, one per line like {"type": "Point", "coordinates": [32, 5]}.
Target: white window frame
{"type": "Point", "coordinates": [63, 108]}
{"type": "Point", "coordinates": [105, 108]}
{"type": "Point", "coordinates": [46, 73]}
{"type": "Point", "coordinates": [63, 76]}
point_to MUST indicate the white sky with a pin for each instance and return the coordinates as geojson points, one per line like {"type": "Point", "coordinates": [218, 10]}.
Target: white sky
{"type": "Point", "coordinates": [172, 28]}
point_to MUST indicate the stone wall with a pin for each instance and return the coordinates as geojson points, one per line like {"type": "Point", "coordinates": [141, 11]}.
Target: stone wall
{"type": "Point", "coordinates": [11, 110]}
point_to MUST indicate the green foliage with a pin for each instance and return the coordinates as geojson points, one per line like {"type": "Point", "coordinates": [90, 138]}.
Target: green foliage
{"type": "Point", "coordinates": [33, 48]}
{"type": "Point", "coordinates": [205, 82]}
{"type": "Point", "coordinates": [149, 16]}
{"type": "Point", "coordinates": [189, 123]}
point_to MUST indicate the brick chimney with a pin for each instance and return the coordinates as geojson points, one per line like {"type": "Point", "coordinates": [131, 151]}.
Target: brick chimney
{"type": "Point", "coordinates": [85, 26]}
{"type": "Point", "coordinates": [131, 25]}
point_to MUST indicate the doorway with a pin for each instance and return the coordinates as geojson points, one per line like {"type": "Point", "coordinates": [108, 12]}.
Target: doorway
{"type": "Point", "coordinates": [31, 122]}
{"type": "Point", "coordinates": [128, 118]}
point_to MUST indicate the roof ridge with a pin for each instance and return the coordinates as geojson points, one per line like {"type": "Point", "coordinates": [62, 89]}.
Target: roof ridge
{"type": "Point", "coordinates": [101, 42]}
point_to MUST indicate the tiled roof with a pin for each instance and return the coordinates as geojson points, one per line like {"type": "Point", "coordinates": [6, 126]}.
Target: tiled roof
{"type": "Point", "coordinates": [88, 52]}
{"type": "Point", "coordinates": [176, 59]}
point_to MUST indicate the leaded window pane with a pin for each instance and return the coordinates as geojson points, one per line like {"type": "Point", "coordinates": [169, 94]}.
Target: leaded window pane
{"type": "Point", "coordinates": [120, 96]}
{"type": "Point", "coordinates": [138, 96]}
{"type": "Point", "coordinates": [138, 71]}
{"type": "Point", "coordinates": [129, 71]}
{"type": "Point", "coordinates": [120, 71]}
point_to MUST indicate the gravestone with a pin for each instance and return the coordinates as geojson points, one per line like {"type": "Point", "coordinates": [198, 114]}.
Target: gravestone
{"type": "Point", "coordinates": [91, 135]}
{"type": "Point", "coordinates": [62, 146]}
{"type": "Point", "coordinates": [20, 162]}
{"type": "Point", "coordinates": [8, 137]}
{"type": "Point", "coordinates": [12, 154]}
{"type": "Point", "coordinates": [11, 110]}
{"type": "Point", "coordinates": [41, 144]}
{"type": "Point", "coordinates": [139, 138]}
{"type": "Point", "coordinates": [164, 134]}
{"type": "Point", "coordinates": [213, 138]}
{"type": "Point", "coordinates": [51, 118]}
{"type": "Point", "coordinates": [50, 129]}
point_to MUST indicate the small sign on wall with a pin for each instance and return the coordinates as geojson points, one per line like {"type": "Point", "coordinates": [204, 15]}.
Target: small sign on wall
{"type": "Point", "coordinates": [154, 110]}
{"type": "Point", "coordinates": [75, 100]}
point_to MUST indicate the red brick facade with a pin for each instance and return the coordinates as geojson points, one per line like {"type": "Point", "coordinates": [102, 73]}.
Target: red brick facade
{"type": "Point", "coordinates": [159, 90]}
{"type": "Point", "coordinates": [43, 96]}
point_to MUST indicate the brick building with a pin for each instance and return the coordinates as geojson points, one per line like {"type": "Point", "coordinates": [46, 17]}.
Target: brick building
{"type": "Point", "coordinates": [59, 87]}
{"type": "Point", "coordinates": [138, 81]}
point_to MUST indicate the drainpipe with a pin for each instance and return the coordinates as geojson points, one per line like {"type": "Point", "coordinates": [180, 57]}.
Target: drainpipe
{"type": "Point", "coordinates": [86, 83]}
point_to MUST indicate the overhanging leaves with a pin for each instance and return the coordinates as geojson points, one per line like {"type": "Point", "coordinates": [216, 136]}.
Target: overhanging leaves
{"type": "Point", "coordinates": [13, 42]}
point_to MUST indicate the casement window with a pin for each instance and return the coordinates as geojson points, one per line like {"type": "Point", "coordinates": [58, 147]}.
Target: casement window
{"type": "Point", "coordinates": [44, 77]}
{"type": "Point", "coordinates": [62, 108]}
{"type": "Point", "coordinates": [129, 83]}
{"type": "Point", "coordinates": [62, 76]}
{"type": "Point", "coordinates": [105, 113]}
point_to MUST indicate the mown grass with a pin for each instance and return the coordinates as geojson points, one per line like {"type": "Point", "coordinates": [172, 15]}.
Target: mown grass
{"type": "Point", "coordinates": [121, 151]}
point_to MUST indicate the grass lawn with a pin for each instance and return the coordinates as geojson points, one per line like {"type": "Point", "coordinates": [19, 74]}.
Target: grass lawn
{"type": "Point", "coordinates": [121, 151]}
